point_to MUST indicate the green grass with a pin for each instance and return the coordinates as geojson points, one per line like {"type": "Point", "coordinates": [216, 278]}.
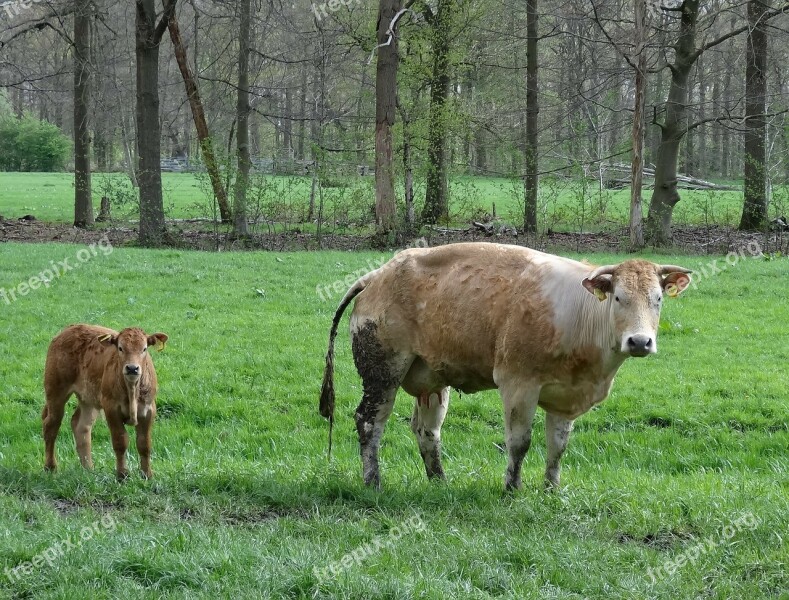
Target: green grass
{"type": "Point", "coordinates": [563, 204]}
{"type": "Point", "coordinates": [244, 504]}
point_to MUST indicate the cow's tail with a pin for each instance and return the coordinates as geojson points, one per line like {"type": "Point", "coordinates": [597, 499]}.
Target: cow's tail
{"type": "Point", "coordinates": [326, 407]}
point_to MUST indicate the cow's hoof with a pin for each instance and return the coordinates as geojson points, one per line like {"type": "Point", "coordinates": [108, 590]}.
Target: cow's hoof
{"type": "Point", "coordinates": [50, 468]}
{"type": "Point", "coordinates": [512, 486]}
{"type": "Point", "coordinates": [147, 474]}
{"type": "Point", "coordinates": [121, 476]}
{"type": "Point", "coordinates": [552, 486]}
{"type": "Point", "coordinates": [373, 481]}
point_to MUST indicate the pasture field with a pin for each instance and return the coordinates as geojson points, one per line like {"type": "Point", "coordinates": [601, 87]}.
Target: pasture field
{"type": "Point", "coordinates": [563, 204]}
{"type": "Point", "coordinates": [677, 486]}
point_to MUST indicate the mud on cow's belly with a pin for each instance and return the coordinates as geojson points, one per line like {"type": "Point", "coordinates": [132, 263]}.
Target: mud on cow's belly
{"type": "Point", "coordinates": [571, 401]}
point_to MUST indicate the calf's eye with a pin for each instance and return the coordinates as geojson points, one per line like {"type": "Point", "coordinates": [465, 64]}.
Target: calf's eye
{"type": "Point", "coordinates": [120, 348]}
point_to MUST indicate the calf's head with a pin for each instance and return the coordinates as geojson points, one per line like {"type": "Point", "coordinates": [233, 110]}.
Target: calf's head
{"type": "Point", "coordinates": [132, 346]}
{"type": "Point", "coordinates": [635, 289]}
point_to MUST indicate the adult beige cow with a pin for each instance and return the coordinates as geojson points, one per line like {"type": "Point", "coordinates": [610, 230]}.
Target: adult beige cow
{"type": "Point", "coordinates": [107, 371]}
{"type": "Point", "coordinates": [546, 331]}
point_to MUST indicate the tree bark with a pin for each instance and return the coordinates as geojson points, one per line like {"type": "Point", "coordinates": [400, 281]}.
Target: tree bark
{"type": "Point", "coordinates": [198, 114]}
{"type": "Point", "coordinates": [242, 116]}
{"type": "Point", "coordinates": [754, 211]}
{"type": "Point", "coordinates": [385, 107]}
{"type": "Point", "coordinates": [436, 184]}
{"type": "Point", "coordinates": [83, 203]}
{"type": "Point", "coordinates": [665, 195]}
{"type": "Point", "coordinates": [148, 35]}
{"type": "Point", "coordinates": [532, 110]}
{"type": "Point", "coordinates": [637, 165]}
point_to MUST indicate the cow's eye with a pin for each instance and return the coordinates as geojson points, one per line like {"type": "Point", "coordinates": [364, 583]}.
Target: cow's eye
{"type": "Point", "coordinates": [120, 348]}
{"type": "Point", "coordinates": [616, 298]}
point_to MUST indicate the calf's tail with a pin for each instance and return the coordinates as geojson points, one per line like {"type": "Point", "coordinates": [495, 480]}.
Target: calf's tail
{"type": "Point", "coordinates": [326, 407]}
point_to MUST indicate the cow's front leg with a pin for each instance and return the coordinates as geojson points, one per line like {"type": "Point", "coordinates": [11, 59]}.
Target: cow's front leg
{"type": "Point", "coordinates": [520, 403]}
{"type": "Point", "coordinates": [429, 413]}
{"type": "Point", "coordinates": [557, 434]}
{"type": "Point", "coordinates": [120, 441]}
{"type": "Point", "coordinates": [144, 427]}
{"type": "Point", "coordinates": [82, 425]}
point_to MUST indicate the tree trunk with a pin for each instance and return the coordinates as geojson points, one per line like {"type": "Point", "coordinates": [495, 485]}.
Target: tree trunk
{"type": "Point", "coordinates": [83, 203]}
{"type": "Point", "coordinates": [532, 110]}
{"type": "Point", "coordinates": [754, 210]}
{"type": "Point", "coordinates": [385, 107]}
{"type": "Point", "coordinates": [148, 35]}
{"type": "Point", "coordinates": [637, 165]}
{"type": "Point", "coordinates": [242, 116]}
{"type": "Point", "coordinates": [436, 184]}
{"type": "Point", "coordinates": [201, 126]}
{"type": "Point", "coordinates": [665, 195]}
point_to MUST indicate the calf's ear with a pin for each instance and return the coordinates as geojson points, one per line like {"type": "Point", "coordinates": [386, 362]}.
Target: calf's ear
{"type": "Point", "coordinates": [108, 340]}
{"type": "Point", "coordinates": [158, 340]}
{"type": "Point", "coordinates": [675, 283]}
{"type": "Point", "coordinates": [600, 286]}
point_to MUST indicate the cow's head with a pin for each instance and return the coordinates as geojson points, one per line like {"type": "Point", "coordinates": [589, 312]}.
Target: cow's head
{"type": "Point", "coordinates": [635, 289]}
{"type": "Point", "coordinates": [132, 345]}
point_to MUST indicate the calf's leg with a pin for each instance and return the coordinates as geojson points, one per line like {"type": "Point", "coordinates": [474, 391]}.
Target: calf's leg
{"type": "Point", "coordinates": [557, 434]}
{"type": "Point", "coordinates": [120, 441]}
{"type": "Point", "coordinates": [429, 412]}
{"type": "Point", "coordinates": [520, 403]}
{"type": "Point", "coordinates": [51, 418]}
{"type": "Point", "coordinates": [82, 424]}
{"type": "Point", "coordinates": [144, 427]}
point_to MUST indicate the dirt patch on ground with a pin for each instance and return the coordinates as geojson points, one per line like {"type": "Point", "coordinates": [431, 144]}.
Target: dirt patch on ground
{"type": "Point", "coordinates": [716, 240]}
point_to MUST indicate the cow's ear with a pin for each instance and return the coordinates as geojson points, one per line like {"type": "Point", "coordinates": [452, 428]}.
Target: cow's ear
{"type": "Point", "coordinates": [108, 339]}
{"type": "Point", "coordinates": [675, 283]}
{"type": "Point", "coordinates": [158, 340]}
{"type": "Point", "coordinates": [600, 286]}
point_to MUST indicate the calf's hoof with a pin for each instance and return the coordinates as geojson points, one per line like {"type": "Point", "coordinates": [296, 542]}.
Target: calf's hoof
{"type": "Point", "coordinates": [121, 476]}
{"type": "Point", "coordinates": [51, 467]}
{"type": "Point", "coordinates": [146, 474]}
{"type": "Point", "coordinates": [373, 480]}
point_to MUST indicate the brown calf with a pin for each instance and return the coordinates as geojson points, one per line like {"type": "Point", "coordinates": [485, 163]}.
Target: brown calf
{"type": "Point", "coordinates": [107, 371]}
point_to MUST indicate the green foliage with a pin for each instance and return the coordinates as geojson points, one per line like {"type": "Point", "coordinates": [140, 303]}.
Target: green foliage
{"type": "Point", "coordinates": [244, 504]}
{"type": "Point", "coordinates": [28, 144]}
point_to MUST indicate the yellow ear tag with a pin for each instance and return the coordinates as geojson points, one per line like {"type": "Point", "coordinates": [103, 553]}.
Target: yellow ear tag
{"type": "Point", "coordinates": [599, 294]}
{"type": "Point", "coordinates": [672, 291]}
{"type": "Point", "coordinates": [159, 345]}
{"type": "Point", "coordinates": [103, 338]}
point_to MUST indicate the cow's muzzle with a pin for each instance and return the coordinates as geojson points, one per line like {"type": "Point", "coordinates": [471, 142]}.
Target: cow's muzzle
{"type": "Point", "coordinates": [131, 371]}
{"type": "Point", "coordinates": [640, 345]}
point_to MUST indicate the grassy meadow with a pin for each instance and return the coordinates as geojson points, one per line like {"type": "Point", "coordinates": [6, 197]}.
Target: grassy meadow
{"type": "Point", "coordinates": [564, 205]}
{"type": "Point", "coordinates": [677, 486]}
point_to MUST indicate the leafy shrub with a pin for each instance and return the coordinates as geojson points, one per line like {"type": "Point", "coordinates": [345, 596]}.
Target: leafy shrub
{"type": "Point", "coordinates": [28, 144]}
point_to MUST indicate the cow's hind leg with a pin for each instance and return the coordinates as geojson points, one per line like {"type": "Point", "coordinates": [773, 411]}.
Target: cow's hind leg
{"type": "Point", "coordinates": [82, 425]}
{"type": "Point", "coordinates": [557, 434]}
{"type": "Point", "coordinates": [520, 403]}
{"type": "Point", "coordinates": [429, 412]}
{"type": "Point", "coordinates": [381, 370]}
{"type": "Point", "coordinates": [51, 418]}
